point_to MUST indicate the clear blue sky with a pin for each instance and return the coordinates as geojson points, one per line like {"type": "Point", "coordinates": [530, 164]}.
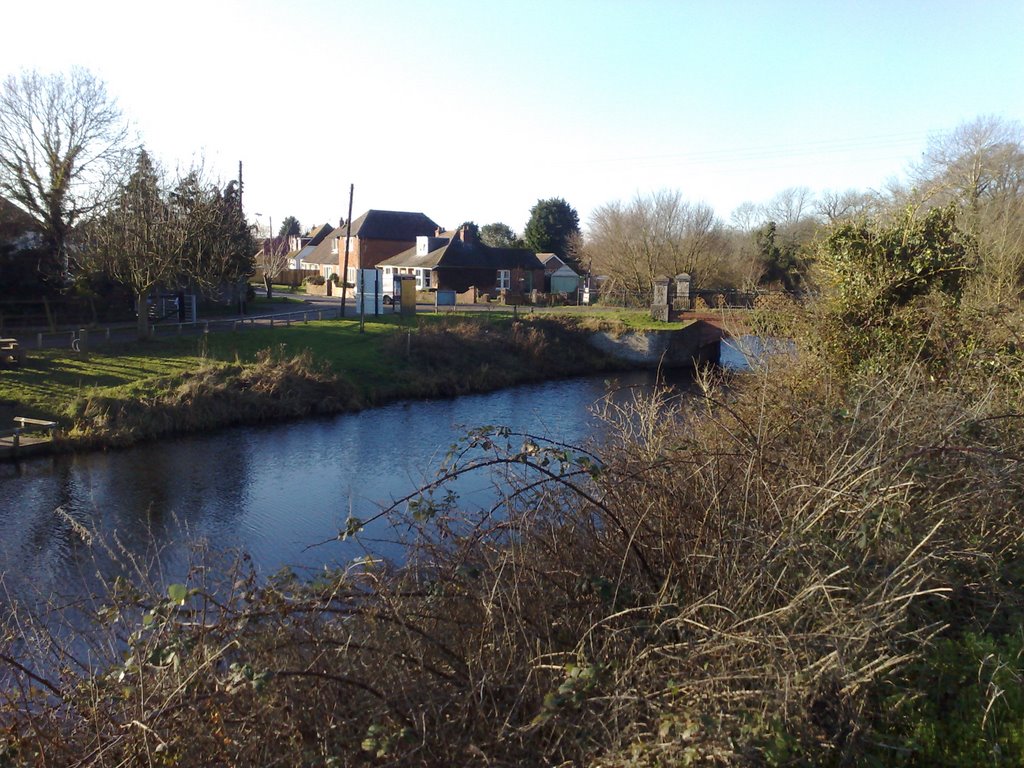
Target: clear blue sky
{"type": "Point", "coordinates": [475, 110]}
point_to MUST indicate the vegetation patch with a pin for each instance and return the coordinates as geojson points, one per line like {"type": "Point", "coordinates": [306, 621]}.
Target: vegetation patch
{"type": "Point", "coordinates": [146, 390]}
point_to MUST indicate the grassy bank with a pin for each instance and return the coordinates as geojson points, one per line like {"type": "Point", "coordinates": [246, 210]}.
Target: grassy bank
{"type": "Point", "coordinates": [796, 569]}
{"type": "Point", "coordinates": [144, 390]}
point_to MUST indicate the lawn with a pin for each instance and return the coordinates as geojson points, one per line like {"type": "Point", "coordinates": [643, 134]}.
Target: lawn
{"type": "Point", "coordinates": [52, 378]}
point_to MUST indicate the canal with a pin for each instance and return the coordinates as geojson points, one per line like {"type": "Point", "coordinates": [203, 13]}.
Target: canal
{"type": "Point", "coordinates": [70, 523]}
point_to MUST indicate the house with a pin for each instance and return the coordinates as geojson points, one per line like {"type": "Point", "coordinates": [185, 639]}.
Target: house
{"type": "Point", "coordinates": [375, 236]}
{"type": "Point", "coordinates": [559, 277]}
{"type": "Point", "coordinates": [300, 247]}
{"type": "Point", "coordinates": [458, 261]}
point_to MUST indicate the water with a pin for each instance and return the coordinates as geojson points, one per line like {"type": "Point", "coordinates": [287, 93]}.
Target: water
{"type": "Point", "coordinates": [277, 493]}
{"type": "Point", "coordinates": [67, 523]}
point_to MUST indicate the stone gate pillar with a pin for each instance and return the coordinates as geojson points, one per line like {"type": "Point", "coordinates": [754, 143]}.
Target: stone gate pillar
{"type": "Point", "coordinates": [662, 299]}
{"type": "Point", "coordinates": [682, 299]}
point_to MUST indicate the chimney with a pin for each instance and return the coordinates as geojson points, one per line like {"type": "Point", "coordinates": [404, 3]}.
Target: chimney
{"type": "Point", "coordinates": [438, 232]}
{"type": "Point", "coordinates": [466, 234]}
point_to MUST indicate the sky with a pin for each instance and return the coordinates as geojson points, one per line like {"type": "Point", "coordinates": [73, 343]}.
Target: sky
{"type": "Point", "coordinates": [473, 110]}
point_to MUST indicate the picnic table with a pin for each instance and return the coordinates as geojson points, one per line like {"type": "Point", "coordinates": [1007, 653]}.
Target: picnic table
{"type": "Point", "coordinates": [11, 352]}
{"type": "Point", "coordinates": [25, 437]}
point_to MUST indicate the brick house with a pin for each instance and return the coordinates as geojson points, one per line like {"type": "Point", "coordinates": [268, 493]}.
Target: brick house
{"type": "Point", "coordinates": [458, 261]}
{"type": "Point", "coordinates": [375, 236]}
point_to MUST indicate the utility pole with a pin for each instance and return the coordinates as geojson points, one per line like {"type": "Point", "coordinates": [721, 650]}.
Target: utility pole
{"type": "Point", "coordinates": [348, 233]}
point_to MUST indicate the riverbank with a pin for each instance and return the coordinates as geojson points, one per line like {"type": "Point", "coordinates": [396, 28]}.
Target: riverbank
{"type": "Point", "coordinates": [148, 390]}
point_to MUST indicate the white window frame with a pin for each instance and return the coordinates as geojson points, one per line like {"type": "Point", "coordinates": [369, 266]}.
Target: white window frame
{"type": "Point", "coordinates": [504, 282]}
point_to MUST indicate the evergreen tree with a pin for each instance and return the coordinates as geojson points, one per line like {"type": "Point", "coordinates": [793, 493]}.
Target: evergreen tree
{"type": "Point", "coordinates": [553, 224]}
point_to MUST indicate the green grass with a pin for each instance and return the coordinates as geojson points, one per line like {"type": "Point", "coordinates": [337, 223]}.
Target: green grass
{"type": "Point", "coordinates": [51, 379]}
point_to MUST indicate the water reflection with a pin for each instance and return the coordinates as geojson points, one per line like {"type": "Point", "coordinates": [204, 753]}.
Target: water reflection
{"type": "Point", "coordinates": [269, 491]}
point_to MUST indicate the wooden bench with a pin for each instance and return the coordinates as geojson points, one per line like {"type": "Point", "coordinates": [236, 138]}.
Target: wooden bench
{"type": "Point", "coordinates": [11, 352]}
{"type": "Point", "coordinates": [37, 425]}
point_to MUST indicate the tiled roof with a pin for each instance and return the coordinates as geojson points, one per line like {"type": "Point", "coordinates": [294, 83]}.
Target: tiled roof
{"type": "Point", "coordinates": [392, 225]}
{"type": "Point", "coordinates": [459, 255]}
{"type": "Point", "coordinates": [321, 253]}
{"type": "Point", "coordinates": [317, 234]}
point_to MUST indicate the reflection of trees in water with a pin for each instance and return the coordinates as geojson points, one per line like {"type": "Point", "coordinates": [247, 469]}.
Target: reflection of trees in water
{"type": "Point", "coordinates": [73, 524]}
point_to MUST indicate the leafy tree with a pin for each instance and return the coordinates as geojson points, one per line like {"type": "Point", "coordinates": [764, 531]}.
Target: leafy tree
{"type": "Point", "coordinates": [779, 258]}
{"type": "Point", "coordinates": [498, 235]}
{"type": "Point", "coordinates": [290, 227]}
{"type": "Point", "coordinates": [552, 224]}
{"type": "Point", "coordinates": [885, 282]}
{"type": "Point", "coordinates": [63, 149]}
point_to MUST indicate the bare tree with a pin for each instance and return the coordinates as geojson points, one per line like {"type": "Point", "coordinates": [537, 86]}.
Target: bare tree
{"type": "Point", "coordinates": [746, 217]}
{"type": "Point", "coordinates": [658, 235]}
{"type": "Point", "coordinates": [166, 234]}
{"type": "Point", "coordinates": [980, 159]}
{"type": "Point", "coordinates": [63, 149]}
{"type": "Point", "coordinates": [835, 206]}
{"type": "Point", "coordinates": [272, 260]}
{"type": "Point", "coordinates": [789, 207]}
{"type": "Point", "coordinates": [980, 165]}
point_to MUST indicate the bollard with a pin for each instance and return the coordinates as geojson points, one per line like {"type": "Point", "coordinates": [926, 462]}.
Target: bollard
{"type": "Point", "coordinates": [39, 340]}
{"type": "Point", "coordinates": [106, 335]}
{"type": "Point", "coordinates": [83, 340]}
{"type": "Point", "coordinates": [206, 327]}
{"type": "Point", "coordinates": [305, 317]}
{"type": "Point", "coordinates": [234, 326]}
{"type": "Point", "coordinates": [271, 322]}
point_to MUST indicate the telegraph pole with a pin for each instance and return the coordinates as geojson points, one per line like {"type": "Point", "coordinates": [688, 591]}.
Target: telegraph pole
{"type": "Point", "coordinates": [348, 233]}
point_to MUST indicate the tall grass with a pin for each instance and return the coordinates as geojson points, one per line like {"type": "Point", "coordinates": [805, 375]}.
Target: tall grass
{"type": "Point", "coordinates": [757, 575]}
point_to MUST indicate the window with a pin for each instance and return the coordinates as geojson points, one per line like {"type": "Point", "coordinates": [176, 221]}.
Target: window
{"type": "Point", "coordinates": [504, 279]}
{"type": "Point", "coordinates": [351, 276]}
{"type": "Point", "coordinates": [334, 245]}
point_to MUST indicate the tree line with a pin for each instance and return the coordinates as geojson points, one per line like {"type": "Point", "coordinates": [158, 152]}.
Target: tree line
{"type": "Point", "coordinates": [104, 211]}
{"type": "Point", "coordinates": [101, 209]}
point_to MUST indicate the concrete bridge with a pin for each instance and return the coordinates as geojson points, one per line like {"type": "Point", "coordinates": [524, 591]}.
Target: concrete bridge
{"type": "Point", "coordinates": [698, 342]}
